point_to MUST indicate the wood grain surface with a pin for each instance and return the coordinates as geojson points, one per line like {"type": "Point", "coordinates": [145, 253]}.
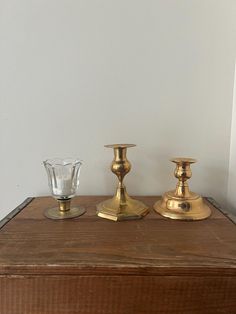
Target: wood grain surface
{"type": "Point", "coordinates": [117, 295]}
{"type": "Point", "coordinates": [92, 265]}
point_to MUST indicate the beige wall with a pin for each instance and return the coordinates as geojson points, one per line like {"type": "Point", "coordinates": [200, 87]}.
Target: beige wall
{"type": "Point", "coordinates": [231, 197]}
{"type": "Point", "coordinates": [75, 75]}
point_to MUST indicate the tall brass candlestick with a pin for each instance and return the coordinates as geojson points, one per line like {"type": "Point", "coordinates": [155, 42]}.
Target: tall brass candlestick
{"type": "Point", "coordinates": [182, 203]}
{"type": "Point", "coordinates": [121, 206]}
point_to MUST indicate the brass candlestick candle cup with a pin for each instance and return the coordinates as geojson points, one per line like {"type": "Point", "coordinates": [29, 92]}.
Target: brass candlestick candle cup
{"type": "Point", "coordinates": [121, 206]}
{"type": "Point", "coordinates": [181, 203]}
{"type": "Point", "coordinates": [63, 180]}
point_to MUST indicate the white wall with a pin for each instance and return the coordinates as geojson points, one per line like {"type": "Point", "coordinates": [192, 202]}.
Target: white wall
{"type": "Point", "coordinates": [75, 75]}
{"type": "Point", "coordinates": [231, 195]}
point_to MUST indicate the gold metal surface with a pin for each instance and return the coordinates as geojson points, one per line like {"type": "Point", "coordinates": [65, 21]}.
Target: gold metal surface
{"type": "Point", "coordinates": [182, 203]}
{"type": "Point", "coordinates": [121, 206]}
{"type": "Point", "coordinates": [64, 210]}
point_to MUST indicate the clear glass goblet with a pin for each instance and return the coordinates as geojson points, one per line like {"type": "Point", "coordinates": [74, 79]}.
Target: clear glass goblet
{"type": "Point", "coordinates": [63, 180]}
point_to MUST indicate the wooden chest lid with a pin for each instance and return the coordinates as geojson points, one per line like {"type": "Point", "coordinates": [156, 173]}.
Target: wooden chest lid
{"type": "Point", "coordinates": [89, 245]}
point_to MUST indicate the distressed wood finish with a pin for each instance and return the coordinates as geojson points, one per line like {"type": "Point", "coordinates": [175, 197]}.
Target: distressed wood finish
{"type": "Point", "coordinates": [14, 212]}
{"type": "Point", "coordinates": [92, 265]}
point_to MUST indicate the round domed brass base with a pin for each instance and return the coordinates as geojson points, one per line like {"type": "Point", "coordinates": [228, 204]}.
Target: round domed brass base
{"type": "Point", "coordinates": [188, 208]}
{"type": "Point", "coordinates": [55, 213]}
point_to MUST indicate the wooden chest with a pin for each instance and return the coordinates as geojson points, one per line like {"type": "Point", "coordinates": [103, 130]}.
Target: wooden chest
{"type": "Point", "coordinates": [90, 265]}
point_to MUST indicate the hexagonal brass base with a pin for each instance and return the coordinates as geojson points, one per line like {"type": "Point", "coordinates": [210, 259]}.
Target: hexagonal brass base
{"type": "Point", "coordinates": [55, 213]}
{"type": "Point", "coordinates": [189, 208]}
{"type": "Point", "coordinates": [113, 210]}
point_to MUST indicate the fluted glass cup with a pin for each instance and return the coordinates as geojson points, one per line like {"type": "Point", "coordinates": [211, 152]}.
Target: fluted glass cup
{"type": "Point", "coordinates": [63, 181]}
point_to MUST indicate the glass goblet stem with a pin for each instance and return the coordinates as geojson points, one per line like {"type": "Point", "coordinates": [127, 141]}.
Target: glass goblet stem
{"type": "Point", "coordinates": [64, 205]}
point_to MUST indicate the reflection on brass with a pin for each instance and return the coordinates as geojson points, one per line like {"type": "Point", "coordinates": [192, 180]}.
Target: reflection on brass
{"type": "Point", "coordinates": [182, 204]}
{"type": "Point", "coordinates": [121, 206]}
{"type": "Point", "coordinates": [64, 210]}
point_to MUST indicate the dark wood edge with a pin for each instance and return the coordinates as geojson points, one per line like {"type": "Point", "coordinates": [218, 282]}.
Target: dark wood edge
{"type": "Point", "coordinates": [80, 270]}
{"type": "Point", "coordinates": [230, 216]}
{"type": "Point", "coordinates": [15, 211]}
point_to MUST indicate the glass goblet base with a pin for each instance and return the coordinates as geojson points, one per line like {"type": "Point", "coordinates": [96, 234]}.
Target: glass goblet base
{"type": "Point", "coordinates": [64, 210]}
{"type": "Point", "coordinates": [55, 213]}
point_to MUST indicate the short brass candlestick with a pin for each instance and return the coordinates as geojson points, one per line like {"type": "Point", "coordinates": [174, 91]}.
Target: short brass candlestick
{"type": "Point", "coordinates": [181, 203]}
{"type": "Point", "coordinates": [121, 206]}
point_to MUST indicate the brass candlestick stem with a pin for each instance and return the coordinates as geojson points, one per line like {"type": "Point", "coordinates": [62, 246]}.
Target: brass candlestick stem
{"type": "Point", "coordinates": [121, 206]}
{"type": "Point", "coordinates": [182, 203]}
